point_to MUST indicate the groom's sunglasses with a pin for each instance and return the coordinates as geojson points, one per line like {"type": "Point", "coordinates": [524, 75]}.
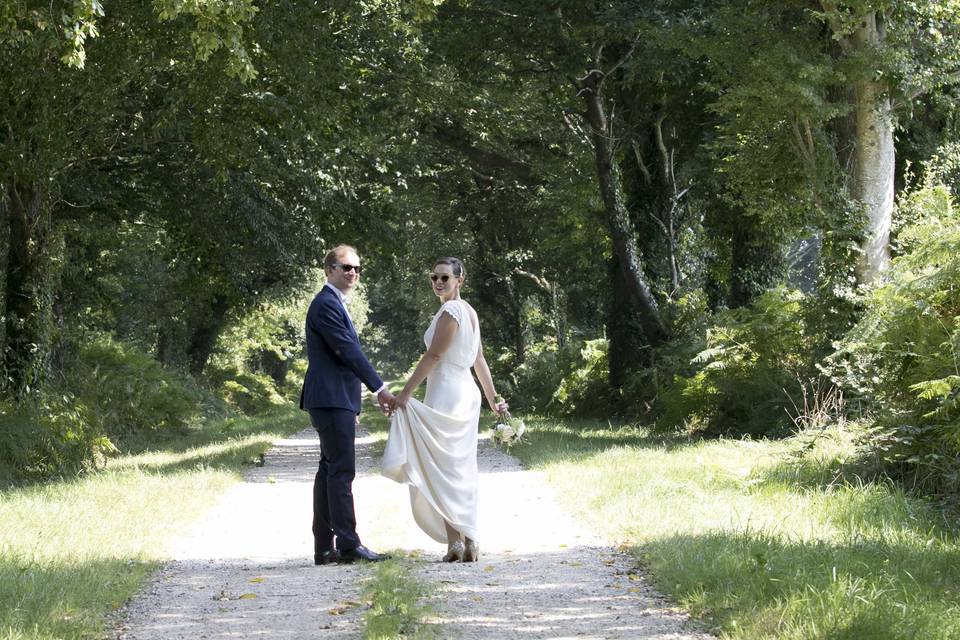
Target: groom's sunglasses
{"type": "Point", "coordinates": [346, 268]}
{"type": "Point", "coordinates": [442, 278]}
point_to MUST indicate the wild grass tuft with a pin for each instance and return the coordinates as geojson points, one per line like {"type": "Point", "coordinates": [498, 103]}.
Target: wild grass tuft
{"type": "Point", "coordinates": [396, 610]}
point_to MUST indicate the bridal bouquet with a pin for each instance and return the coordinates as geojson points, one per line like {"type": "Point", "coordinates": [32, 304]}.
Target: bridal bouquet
{"type": "Point", "coordinates": [508, 430]}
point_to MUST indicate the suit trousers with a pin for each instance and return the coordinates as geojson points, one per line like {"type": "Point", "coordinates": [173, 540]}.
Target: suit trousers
{"type": "Point", "coordinates": [333, 513]}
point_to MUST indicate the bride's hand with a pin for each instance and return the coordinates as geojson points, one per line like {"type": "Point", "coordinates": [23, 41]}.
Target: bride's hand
{"type": "Point", "coordinates": [499, 408]}
{"type": "Point", "coordinates": [401, 401]}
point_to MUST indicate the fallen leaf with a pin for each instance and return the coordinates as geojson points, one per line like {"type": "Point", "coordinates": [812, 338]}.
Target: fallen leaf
{"type": "Point", "coordinates": [488, 568]}
{"type": "Point", "coordinates": [343, 608]}
{"type": "Point", "coordinates": [256, 580]}
{"type": "Point", "coordinates": [248, 596]}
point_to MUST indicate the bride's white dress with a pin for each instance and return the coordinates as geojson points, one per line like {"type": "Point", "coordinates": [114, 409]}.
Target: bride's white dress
{"type": "Point", "coordinates": [432, 445]}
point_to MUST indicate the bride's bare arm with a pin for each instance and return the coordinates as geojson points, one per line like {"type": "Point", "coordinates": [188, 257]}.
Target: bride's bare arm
{"type": "Point", "coordinates": [442, 339]}
{"type": "Point", "coordinates": [486, 381]}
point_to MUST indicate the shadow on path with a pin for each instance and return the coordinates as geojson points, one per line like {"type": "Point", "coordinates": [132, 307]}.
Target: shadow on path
{"type": "Point", "coordinates": [246, 569]}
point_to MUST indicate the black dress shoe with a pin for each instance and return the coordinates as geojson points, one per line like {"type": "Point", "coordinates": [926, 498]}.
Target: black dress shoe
{"type": "Point", "coordinates": [326, 557]}
{"type": "Point", "coordinates": [362, 554]}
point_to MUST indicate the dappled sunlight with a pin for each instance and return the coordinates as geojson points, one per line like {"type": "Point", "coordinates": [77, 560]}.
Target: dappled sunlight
{"type": "Point", "coordinates": [242, 598]}
{"type": "Point", "coordinates": [535, 595]}
{"type": "Point", "coordinates": [815, 589]}
{"type": "Point", "coordinates": [212, 455]}
{"type": "Point", "coordinates": [65, 611]}
{"type": "Point", "coordinates": [247, 566]}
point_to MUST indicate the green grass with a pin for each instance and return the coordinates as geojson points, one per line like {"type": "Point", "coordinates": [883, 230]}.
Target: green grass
{"type": "Point", "coordinates": [762, 539]}
{"type": "Point", "coordinates": [71, 551]}
{"type": "Point", "coordinates": [396, 610]}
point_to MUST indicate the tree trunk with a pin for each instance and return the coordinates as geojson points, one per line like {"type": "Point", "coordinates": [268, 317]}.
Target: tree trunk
{"type": "Point", "coordinates": [620, 225]}
{"type": "Point", "coordinates": [24, 345]}
{"type": "Point", "coordinates": [874, 154]}
{"type": "Point", "coordinates": [204, 334]}
{"type": "Point", "coordinates": [627, 351]}
{"type": "Point", "coordinates": [516, 321]}
{"type": "Point", "coordinates": [874, 159]}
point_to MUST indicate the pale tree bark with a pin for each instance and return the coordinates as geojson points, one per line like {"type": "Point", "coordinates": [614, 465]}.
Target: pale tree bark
{"type": "Point", "coordinates": [874, 154]}
{"type": "Point", "coordinates": [874, 160]}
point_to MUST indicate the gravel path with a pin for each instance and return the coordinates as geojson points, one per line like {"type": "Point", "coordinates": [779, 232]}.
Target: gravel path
{"type": "Point", "coordinates": [246, 569]}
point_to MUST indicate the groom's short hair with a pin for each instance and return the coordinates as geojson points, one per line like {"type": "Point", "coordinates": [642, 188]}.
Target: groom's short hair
{"type": "Point", "coordinates": [331, 258]}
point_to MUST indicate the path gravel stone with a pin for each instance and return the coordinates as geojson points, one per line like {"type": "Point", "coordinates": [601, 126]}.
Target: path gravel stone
{"type": "Point", "coordinates": [246, 568]}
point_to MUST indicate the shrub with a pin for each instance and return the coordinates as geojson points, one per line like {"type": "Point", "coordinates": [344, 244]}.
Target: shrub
{"type": "Point", "coordinates": [529, 387]}
{"type": "Point", "coordinates": [126, 391]}
{"type": "Point", "coordinates": [48, 437]}
{"type": "Point", "coordinates": [572, 380]}
{"type": "Point", "coordinates": [754, 360]}
{"type": "Point", "coordinates": [901, 357]}
{"type": "Point", "coordinates": [585, 388]}
{"type": "Point", "coordinates": [249, 392]}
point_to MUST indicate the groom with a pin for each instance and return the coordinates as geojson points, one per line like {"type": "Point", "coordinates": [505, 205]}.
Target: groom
{"type": "Point", "coordinates": [331, 394]}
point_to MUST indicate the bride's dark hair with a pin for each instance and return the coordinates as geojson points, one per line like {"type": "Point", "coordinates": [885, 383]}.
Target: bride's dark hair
{"type": "Point", "coordinates": [455, 263]}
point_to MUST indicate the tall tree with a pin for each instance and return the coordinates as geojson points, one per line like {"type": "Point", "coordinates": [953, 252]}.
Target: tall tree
{"type": "Point", "coordinates": [70, 77]}
{"type": "Point", "coordinates": [893, 51]}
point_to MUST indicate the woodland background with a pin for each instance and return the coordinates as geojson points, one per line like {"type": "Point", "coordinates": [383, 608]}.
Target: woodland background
{"type": "Point", "coordinates": [722, 218]}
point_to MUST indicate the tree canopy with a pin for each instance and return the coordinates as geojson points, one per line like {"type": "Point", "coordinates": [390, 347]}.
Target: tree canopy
{"type": "Point", "coordinates": [644, 194]}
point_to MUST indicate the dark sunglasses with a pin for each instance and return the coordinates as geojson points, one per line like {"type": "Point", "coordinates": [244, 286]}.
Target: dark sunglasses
{"type": "Point", "coordinates": [441, 277]}
{"type": "Point", "coordinates": [346, 268]}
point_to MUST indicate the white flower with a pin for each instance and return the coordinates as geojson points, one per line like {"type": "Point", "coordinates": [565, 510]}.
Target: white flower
{"type": "Point", "coordinates": [509, 431]}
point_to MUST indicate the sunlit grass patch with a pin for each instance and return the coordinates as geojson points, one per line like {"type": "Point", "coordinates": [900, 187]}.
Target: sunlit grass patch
{"type": "Point", "coordinates": [764, 539]}
{"type": "Point", "coordinates": [73, 550]}
{"type": "Point", "coordinates": [397, 608]}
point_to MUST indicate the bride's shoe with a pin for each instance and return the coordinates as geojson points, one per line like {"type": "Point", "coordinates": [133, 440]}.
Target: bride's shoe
{"type": "Point", "coordinates": [455, 552]}
{"type": "Point", "coordinates": [471, 551]}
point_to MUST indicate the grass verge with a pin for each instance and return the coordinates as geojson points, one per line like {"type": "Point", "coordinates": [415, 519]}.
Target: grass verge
{"type": "Point", "coordinates": [72, 551]}
{"type": "Point", "coordinates": [762, 539]}
{"type": "Point", "coordinates": [396, 610]}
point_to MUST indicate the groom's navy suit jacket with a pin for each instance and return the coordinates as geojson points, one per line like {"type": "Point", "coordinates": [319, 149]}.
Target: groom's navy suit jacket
{"type": "Point", "coordinates": [335, 363]}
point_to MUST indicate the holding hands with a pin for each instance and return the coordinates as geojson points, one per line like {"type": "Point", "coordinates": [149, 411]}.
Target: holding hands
{"type": "Point", "coordinates": [402, 399]}
{"type": "Point", "coordinates": [386, 401]}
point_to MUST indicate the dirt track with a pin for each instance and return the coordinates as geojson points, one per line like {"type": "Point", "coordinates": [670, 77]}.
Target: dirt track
{"type": "Point", "coordinates": [246, 568]}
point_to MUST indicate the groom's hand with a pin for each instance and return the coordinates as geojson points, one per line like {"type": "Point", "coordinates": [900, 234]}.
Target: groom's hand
{"type": "Point", "coordinates": [386, 401]}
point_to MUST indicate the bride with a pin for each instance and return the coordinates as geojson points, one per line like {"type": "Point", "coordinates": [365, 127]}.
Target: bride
{"type": "Point", "coordinates": [432, 445]}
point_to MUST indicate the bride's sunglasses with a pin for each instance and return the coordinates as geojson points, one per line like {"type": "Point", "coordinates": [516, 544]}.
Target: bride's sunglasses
{"type": "Point", "coordinates": [442, 277]}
